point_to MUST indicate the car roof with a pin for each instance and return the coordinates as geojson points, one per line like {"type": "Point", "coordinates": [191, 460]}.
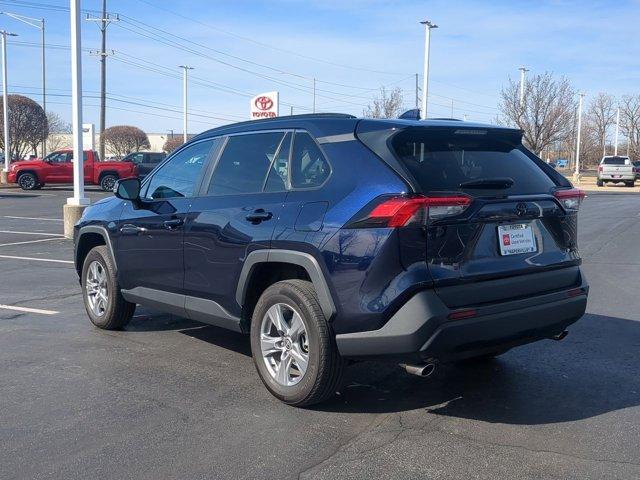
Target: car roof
{"type": "Point", "coordinates": [335, 123]}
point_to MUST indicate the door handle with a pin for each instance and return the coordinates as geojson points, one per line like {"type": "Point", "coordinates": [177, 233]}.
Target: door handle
{"type": "Point", "coordinates": [259, 215]}
{"type": "Point", "coordinates": [129, 229]}
{"type": "Point", "coordinates": [173, 223]}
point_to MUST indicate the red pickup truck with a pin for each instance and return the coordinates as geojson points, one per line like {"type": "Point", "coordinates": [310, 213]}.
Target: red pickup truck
{"type": "Point", "coordinates": [57, 167]}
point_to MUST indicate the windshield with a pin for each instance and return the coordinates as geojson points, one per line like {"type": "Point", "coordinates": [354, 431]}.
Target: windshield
{"type": "Point", "coordinates": [471, 160]}
{"type": "Point", "coordinates": [615, 161]}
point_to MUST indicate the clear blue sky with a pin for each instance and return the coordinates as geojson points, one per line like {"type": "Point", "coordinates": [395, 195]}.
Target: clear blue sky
{"type": "Point", "coordinates": [352, 47]}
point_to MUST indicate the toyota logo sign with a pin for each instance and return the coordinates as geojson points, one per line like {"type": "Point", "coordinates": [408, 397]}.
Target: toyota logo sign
{"type": "Point", "coordinates": [264, 105]}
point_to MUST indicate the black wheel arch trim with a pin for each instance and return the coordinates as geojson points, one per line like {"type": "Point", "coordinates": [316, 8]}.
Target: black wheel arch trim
{"type": "Point", "coordinates": [304, 260]}
{"type": "Point", "coordinates": [102, 231]}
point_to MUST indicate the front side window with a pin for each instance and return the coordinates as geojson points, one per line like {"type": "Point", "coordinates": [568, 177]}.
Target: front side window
{"type": "Point", "coordinates": [309, 168]}
{"type": "Point", "coordinates": [59, 157]}
{"type": "Point", "coordinates": [179, 175]}
{"type": "Point", "coordinates": [244, 164]}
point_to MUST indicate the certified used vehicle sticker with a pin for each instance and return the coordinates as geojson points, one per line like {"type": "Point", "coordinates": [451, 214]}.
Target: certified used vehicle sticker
{"type": "Point", "coordinates": [516, 238]}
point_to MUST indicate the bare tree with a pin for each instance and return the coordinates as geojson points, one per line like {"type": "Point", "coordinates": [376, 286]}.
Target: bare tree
{"type": "Point", "coordinates": [387, 105]}
{"type": "Point", "coordinates": [547, 113]}
{"type": "Point", "coordinates": [630, 123]}
{"type": "Point", "coordinates": [27, 125]}
{"type": "Point", "coordinates": [172, 143]}
{"type": "Point", "coordinates": [124, 139]}
{"type": "Point", "coordinates": [58, 132]}
{"type": "Point", "coordinates": [600, 118]}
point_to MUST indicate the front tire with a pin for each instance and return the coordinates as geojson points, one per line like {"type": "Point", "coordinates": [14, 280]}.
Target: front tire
{"type": "Point", "coordinates": [631, 184]}
{"type": "Point", "coordinates": [107, 182]}
{"type": "Point", "coordinates": [105, 305]}
{"type": "Point", "coordinates": [27, 181]}
{"type": "Point", "coordinates": [293, 347]}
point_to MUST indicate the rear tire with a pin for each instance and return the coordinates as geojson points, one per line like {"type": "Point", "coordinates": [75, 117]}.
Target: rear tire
{"type": "Point", "coordinates": [273, 347]}
{"type": "Point", "coordinates": [631, 184]}
{"type": "Point", "coordinates": [28, 181]}
{"type": "Point", "coordinates": [600, 183]}
{"type": "Point", "coordinates": [107, 182]}
{"type": "Point", "coordinates": [105, 305]}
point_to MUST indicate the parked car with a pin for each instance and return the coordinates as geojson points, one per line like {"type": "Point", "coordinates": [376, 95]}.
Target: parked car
{"type": "Point", "coordinates": [326, 238]}
{"type": "Point", "coordinates": [146, 161]}
{"type": "Point", "coordinates": [57, 167]}
{"type": "Point", "coordinates": [636, 169]}
{"type": "Point", "coordinates": [616, 169]}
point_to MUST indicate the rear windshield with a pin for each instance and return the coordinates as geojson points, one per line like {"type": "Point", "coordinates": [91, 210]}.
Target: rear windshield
{"type": "Point", "coordinates": [445, 159]}
{"type": "Point", "coordinates": [615, 161]}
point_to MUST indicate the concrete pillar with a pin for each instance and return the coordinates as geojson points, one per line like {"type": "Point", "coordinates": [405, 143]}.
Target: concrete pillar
{"type": "Point", "coordinates": [3, 177]}
{"type": "Point", "coordinates": [71, 214]}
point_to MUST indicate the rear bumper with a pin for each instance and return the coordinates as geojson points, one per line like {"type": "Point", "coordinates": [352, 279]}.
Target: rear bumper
{"type": "Point", "coordinates": [618, 177]}
{"type": "Point", "coordinates": [422, 330]}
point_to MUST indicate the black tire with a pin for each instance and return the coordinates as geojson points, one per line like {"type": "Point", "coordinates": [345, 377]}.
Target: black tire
{"type": "Point", "coordinates": [118, 311]}
{"type": "Point", "coordinates": [631, 184]}
{"type": "Point", "coordinates": [600, 183]}
{"type": "Point", "coordinates": [28, 181]}
{"type": "Point", "coordinates": [108, 181]}
{"type": "Point", "coordinates": [325, 366]}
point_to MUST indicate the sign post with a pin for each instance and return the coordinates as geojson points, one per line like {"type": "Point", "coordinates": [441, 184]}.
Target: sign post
{"type": "Point", "coordinates": [264, 105]}
{"type": "Point", "coordinates": [75, 205]}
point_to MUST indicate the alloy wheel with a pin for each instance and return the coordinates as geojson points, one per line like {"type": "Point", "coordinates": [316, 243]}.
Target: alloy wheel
{"type": "Point", "coordinates": [97, 288]}
{"type": "Point", "coordinates": [284, 344]}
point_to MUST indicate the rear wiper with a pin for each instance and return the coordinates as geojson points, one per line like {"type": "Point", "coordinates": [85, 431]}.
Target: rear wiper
{"type": "Point", "coordinates": [489, 183]}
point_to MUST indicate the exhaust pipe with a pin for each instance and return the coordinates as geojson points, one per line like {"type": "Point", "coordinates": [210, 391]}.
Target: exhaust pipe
{"type": "Point", "coordinates": [560, 336]}
{"type": "Point", "coordinates": [424, 370]}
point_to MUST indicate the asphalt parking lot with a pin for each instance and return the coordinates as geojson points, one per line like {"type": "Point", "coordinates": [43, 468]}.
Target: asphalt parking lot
{"type": "Point", "coordinates": [171, 398]}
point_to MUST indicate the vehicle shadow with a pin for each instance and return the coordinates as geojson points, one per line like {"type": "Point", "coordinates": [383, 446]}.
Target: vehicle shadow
{"type": "Point", "coordinates": [593, 371]}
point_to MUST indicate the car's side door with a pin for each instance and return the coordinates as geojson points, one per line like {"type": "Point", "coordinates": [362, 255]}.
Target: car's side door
{"type": "Point", "coordinates": [150, 233]}
{"type": "Point", "coordinates": [60, 168]}
{"type": "Point", "coordinates": [236, 214]}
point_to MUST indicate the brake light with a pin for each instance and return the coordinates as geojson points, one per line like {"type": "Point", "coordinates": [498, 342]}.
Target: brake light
{"type": "Point", "coordinates": [461, 314]}
{"type": "Point", "coordinates": [600, 168]}
{"type": "Point", "coordinates": [571, 198]}
{"type": "Point", "coordinates": [399, 211]}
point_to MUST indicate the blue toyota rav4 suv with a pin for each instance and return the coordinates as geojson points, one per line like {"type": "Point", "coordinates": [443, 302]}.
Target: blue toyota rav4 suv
{"type": "Point", "coordinates": [328, 238]}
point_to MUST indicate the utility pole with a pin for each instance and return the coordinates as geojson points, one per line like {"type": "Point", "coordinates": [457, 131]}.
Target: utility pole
{"type": "Point", "coordinates": [417, 93]}
{"type": "Point", "coordinates": [291, 110]}
{"type": "Point", "coordinates": [452, 108]}
{"type": "Point", "coordinates": [39, 24]}
{"type": "Point", "coordinates": [314, 94]}
{"type": "Point", "coordinates": [5, 105]}
{"type": "Point", "coordinates": [615, 151]}
{"type": "Point", "coordinates": [425, 78]}
{"type": "Point", "coordinates": [576, 173]}
{"type": "Point", "coordinates": [103, 22]}
{"type": "Point", "coordinates": [523, 71]}
{"type": "Point", "coordinates": [185, 69]}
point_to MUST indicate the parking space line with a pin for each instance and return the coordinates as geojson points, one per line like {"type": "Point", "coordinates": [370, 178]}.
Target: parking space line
{"type": "Point", "coordinates": [33, 233]}
{"type": "Point", "coordinates": [30, 241]}
{"type": "Point", "coordinates": [29, 310]}
{"type": "Point", "coordinates": [4, 192]}
{"type": "Point", "coordinates": [35, 218]}
{"type": "Point", "coordinates": [14, 257]}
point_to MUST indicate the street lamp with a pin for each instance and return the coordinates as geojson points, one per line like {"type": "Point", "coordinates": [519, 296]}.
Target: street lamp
{"type": "Point", "coordinates": [5, 104]}
{"type": "Point", "coordinates": [186, 68]}
{"type": "Point", "coordinates": [428, 25]}
{"type": "Point", "coordinates": [39, 24]}
{"type": "Point", "coordinates": [576, 174]}
{"type": "Point", "coordinates": [523, 71]}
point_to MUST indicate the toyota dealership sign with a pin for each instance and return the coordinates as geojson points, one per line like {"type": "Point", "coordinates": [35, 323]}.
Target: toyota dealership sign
{"type": "Point", "coordinates": [264, 105]}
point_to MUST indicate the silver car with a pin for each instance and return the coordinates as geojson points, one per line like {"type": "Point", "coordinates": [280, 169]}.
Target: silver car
{"type": "Point", "coordinates": [616, 169]}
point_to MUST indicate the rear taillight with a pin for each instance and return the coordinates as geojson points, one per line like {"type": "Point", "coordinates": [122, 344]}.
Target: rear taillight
{"type": "Point", "coordinates": [400, 211]}
{"type": "Point", "coordinates": [571, 198]}
{"type": "Point", "coordinates": [600, 168]}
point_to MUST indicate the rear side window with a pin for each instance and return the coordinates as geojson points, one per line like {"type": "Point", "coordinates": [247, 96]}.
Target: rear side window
{"type": "Point", "coordinates": [446, 159]}
{"type": "Point", "coordinates": [615, 161]}
{"type": "Point", "coordinates": [309, 168]}
{"type": "Point", "coordinates": [244, 164]}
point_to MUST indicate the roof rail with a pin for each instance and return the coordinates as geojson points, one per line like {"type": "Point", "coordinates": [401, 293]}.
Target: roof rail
{"type": "Point", "coordinates": [446, 118]}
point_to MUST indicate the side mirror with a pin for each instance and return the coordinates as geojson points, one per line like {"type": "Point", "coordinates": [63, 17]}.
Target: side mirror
{"type": "Point", "coordinates": [127, 189]}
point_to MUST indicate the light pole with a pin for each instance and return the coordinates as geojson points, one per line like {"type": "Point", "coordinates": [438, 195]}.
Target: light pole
{"type": "Point", "coordinates": [523, 72]}
{"type": "Point", "coordinates": [428, 25]}
{"type": "Point", "coordinates": [185, 68]}
{"type": "Point", "coordinates": [576, 174]}
{"type": "Point", "coordinates": [615, 151]}
{"type": "Point", "coordinates": [5, 105]}
{"type": "Point", "coordinates": [39, 24]}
